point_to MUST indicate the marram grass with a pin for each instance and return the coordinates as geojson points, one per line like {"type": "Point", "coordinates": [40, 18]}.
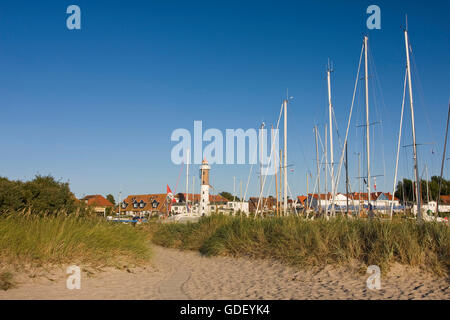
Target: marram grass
{"type": "Point", "coordinates": [301, 242]}
{"type": "Point", "coordinates": [69, 239]}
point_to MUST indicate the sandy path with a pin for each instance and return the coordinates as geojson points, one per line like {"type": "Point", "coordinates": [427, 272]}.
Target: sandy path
{"type": "Point", "coordinates": [175, 274]}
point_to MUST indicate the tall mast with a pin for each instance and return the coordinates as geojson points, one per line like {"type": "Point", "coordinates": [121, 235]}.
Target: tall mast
{"type": "Point", "coordinates": [359, 175]}
{"type": "Point", "coordinates": [193, 194]}
{"type": "Point", "coordinates": [346, 173]}
{"type": "Point", "coordinates": [285, 158]}
{"type": "Point", "coordinates": [187, 180]}
{"type": "Point", "coordinates": [428, 189]}
{"type": "Point", "coordinates": [234, 188]}
{"type": "Point", "coordinates": [281, 177]}
{"type": "Point", "coordinates": [260, 157]}
{"type": "Point", "coordinates": [416, 168]}
{"type": "Point", "coordinates": [307, 191]}
{"type": "Point", "coordinates": [326, 171]}
{"type": "Point", "coordinates": [318, 172]}
{"type": "Point", "coordinates": [443, 159]}
{"type": "Point", "coordinates": [330, 116]}
{"type": "Point", "coordinates": [276, 177]}
{"type": "Point", "coordinates": [398, 147]}
{"type": "Point", "coordinates": [366, 78]}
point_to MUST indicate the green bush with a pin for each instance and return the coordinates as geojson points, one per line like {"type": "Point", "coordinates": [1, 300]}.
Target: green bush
{"type": "Point", "coordinates": [297, 241]}
{"type": "Point", "coordinates": [69, 238]}
{"type": "Point", "coordinates": [42, 195]}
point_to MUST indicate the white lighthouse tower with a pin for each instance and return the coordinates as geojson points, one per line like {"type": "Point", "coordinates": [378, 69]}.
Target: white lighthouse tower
{"type": "Point", "coordinates": [204, 197]}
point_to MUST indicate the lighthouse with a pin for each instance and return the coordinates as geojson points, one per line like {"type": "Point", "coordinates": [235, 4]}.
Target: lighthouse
{"type": "Point", "coordinates": [204, 197]}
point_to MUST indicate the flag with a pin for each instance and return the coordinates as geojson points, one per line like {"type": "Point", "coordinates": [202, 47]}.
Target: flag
{"type": "Point", "coordinates": [169, 193]}
{"type": "Point", "coordinates": [170, 197]}
{"type": "Point", "coordinates": [375, 183]}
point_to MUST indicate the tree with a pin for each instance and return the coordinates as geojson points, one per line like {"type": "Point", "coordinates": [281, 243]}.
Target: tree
{"type": "Point", "coordinates": [42, 195]}
{"type": "Point", "coordinates": [229, 196]}
{"type": "Point", "coordinates": [406, 187]}
{"type": "Point", "coordinates": [111, 199]}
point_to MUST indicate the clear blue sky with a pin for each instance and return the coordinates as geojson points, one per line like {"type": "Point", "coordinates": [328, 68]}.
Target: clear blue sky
{"type": "Point", "coordinates": [97, 106]}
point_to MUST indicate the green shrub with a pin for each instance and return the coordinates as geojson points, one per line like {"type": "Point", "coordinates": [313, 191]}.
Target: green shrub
{"type": "Point", "coordinates": [62, 238]}
{"type": "Point", "coordinates": [297, 241]}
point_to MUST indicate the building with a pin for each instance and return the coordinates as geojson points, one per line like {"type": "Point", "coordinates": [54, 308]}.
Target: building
{"type": "Point", "coordinates": [379, 200]}
{"type": "Point", "coordinates": [444, 205]}
{"type": "Point", "coordinates": [269, 204]}
{"type": "Point", "coordinates": [98, 202]}
{"type": "Point", "coordinates": [143, 205]}
{"type": "Point", "coordinates": [215, 203]}
{"type": "Point", "coordinates": [204, 177]}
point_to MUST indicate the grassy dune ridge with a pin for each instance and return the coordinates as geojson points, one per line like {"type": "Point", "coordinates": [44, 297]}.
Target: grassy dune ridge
{"type": "Point", "coordinates": [301, 242]}
{"type": "Point", "coordinates": [62, 238]}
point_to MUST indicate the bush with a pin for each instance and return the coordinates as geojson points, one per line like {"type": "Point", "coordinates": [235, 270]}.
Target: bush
{"type": "Point", "coordinates": [42, 195]}
{"type": "Point", "coordinates": [69, 238]}
{"type": "Point", "coordinates": [301, 242]}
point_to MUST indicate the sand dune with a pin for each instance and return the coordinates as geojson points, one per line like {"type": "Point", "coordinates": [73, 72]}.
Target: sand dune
{"type": "Point", "coordinates": [177, 274]}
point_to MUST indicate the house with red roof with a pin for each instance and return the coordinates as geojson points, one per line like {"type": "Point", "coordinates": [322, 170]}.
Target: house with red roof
{"type": "Point", "coordinates": [98, 202]}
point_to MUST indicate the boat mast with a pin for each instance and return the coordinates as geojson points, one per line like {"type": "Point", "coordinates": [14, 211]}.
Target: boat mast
{"type": "Point", "coordinates": [366, 78]}
{"type": "Point", "coordinates": [318, 172]}
{"type": "Point", "coordinates": [330, 116]}
{"type": "Point", "coordinates": [398, 147]}
{"type": "Point", "coordinates": [416, 168]}
{"type": "Point", "coordinates": [326, 168]}
{"type": "Point", "coordinates": [285, 158]}
{"type": "Point", "coordinates": [193, 193]}
{"type": "Point", "coordinates": [443, 159]}
{"type": "Point", "coordinates": [260, 157]}
{"type": "Point", "coordinates": [346, 174]}
{"type": "Point", "coordinates": [281, 178]}
{"type": "Point", "coordinates": [428, 189]}
{"type": "Point", "coordinates": [187, 181]}
{"type": "Point", "coordinates": [360, 183]}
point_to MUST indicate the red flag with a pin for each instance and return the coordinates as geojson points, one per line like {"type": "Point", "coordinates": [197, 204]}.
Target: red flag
{"type": "Point", "coordinates": [170, 195]}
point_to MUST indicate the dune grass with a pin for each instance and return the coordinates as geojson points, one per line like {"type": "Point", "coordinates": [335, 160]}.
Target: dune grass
{"type": "Point", "coordinates": [301, 242]}
{"type": "Point", "coordinates": [60, 239]}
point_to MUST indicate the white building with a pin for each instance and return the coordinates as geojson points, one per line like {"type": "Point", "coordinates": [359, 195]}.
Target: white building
{"type": "Point", "coordinates": [432, 207]}
{"type": "Point", "coordinates": [379, 200]}
{"type": "Point", "coordinates": [236, 206]}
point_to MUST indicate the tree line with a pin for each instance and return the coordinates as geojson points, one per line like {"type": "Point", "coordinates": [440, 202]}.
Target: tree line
{"type": "Point", "coordinates": [42, 195]}
{"type": "Point", "coordinates": [405, 189]}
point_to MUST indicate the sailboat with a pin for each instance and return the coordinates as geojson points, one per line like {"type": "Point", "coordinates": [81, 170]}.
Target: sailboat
{"type": "Point", "coordinates": [417, 209]}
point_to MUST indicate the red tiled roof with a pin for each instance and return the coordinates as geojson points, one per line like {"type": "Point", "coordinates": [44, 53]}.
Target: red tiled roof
{"type": "Point", "coordinates": [148, 201]}
{"type": "Point", "coordinates": [97, 200]}
{"type": "Point", "coordinates": [445, 199]}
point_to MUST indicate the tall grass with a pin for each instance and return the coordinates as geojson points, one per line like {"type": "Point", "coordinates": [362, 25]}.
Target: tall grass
{"type": "Point", "coordinates": [58, 239]}
{"type": "Point", "coordinates": [302, 242]}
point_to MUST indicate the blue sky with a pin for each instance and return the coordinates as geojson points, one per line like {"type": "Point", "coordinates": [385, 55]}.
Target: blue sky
{"type": "Point", "coordinates": [96, 106]}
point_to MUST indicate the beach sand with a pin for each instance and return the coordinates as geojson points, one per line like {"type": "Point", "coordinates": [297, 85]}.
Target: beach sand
{"type": "Point", "coordinates": [174, 274]}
